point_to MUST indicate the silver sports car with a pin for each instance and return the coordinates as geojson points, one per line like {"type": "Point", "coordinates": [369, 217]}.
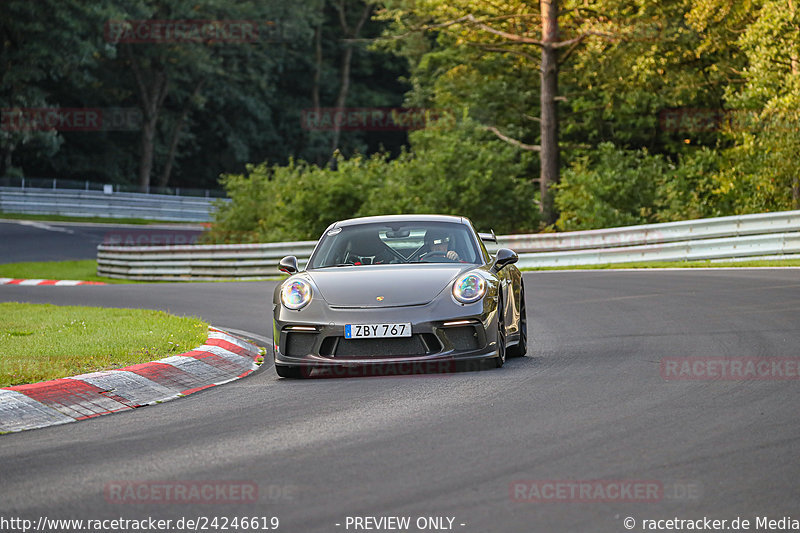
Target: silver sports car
{"type": "Point", "coordinates": [419, 291]}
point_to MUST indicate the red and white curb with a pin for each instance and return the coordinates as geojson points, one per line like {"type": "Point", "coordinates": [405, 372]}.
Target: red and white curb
{"type": "Point", "coordinates": [222, 359]}
{"type": "Point", "coordinates": [57, 282]}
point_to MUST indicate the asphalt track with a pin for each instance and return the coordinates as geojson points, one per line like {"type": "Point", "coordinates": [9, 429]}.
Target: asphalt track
{"type": "Point", "coordinates": [28, 240]}
{"type": "Point", "coordinates": [588, 403]}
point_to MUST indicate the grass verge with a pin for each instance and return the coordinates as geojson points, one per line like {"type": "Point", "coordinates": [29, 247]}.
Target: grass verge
{"type": "Point", "coordinates": [40, 342]}
{"type": "Point", "coordinates": [84, 270]}
{"type": "Point", "coordinates": [680, 264]}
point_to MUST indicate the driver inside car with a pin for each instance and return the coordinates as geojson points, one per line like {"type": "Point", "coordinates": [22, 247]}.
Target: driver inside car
{"type": "Point", "coordinates": [368, 249]}
{"type": "Point", "coordinates": [437, 243]}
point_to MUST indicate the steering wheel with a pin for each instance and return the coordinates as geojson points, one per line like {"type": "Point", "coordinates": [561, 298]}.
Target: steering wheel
{"type": "Point", "coordinates": [433, 253]}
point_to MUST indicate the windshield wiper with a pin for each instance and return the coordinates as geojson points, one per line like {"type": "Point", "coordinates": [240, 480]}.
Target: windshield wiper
{"type": "Point", "coordinates": [339, 265]}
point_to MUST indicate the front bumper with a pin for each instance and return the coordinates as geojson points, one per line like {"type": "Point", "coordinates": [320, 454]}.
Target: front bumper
{"type": "Point", "coordinates": [442, 332]}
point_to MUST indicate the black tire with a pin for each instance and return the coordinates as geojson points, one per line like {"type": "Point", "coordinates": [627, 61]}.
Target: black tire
{"type": "Point", "coordinates": [500, 360]}
{"type": "Point", "coordinates": [291, 372]}
{"type": "Point", "coordinates": [521, 348]}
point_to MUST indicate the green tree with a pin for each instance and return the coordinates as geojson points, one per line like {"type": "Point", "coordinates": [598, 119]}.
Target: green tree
{"type": "Point", "coordinates": [516, 30]}
{"type": "Point", "coordinates": [614, 187]}
{"type": "Point", "coordinates": [451, 168]}
{"type": "Point", "coordinates": [619, 187]}
{"type": "Point", "coordinates": [457, 167]}
{"type": "Point", "coordinates": [618, 64]}
{"type": "Point", "coordinates": [179, 69]}
{"type": "Point", "coordinates": [293, 202]}
{"type": "Point", "coordinates": [29, 77]}
{"type": "Point", "coordinates": [766, 112]}
{"type": "Point", "coordinates": [208, 107]}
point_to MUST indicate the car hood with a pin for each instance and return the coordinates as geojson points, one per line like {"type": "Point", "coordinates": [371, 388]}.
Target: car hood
{"type": "Point", "coordinates": [384, 285]}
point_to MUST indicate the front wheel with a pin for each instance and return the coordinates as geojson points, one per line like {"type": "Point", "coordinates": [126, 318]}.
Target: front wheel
{"type": "Point", "coordinates": [291, 372]}
{"type": "Point", "coordinates": [501, 335]}
{"type": "Point", "coordinates": [521, 348]}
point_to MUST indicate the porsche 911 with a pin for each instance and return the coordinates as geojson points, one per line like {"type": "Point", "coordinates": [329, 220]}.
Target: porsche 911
{"type": "Point", "coordinates": [399, 290]}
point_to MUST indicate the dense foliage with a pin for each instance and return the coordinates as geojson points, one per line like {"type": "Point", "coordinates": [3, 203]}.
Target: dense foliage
{"type": "Point", "coordinates": [619, 187]}
{"type": "Point", "coordinates": [214, 106]}
{"type": "Point", "coordinates": [698, 98]}
{"type": "Point", "coordinates": [667, 110]}
{"type": "Point", "coordinates": [451, 168]}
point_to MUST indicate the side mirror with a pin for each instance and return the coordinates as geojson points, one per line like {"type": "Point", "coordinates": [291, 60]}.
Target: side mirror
{"type": "Point", "coordinates": [288, 264]}
{"type": "Point", "coordinates": [503, 258]}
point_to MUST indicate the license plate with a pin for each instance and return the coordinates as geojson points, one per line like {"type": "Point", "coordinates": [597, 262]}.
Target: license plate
{"type": "Point", "coordinates": [376, 331]}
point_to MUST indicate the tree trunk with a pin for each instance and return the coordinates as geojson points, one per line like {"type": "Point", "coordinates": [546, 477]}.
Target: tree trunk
{"type": "Point", "coordinates": [344, 88]}
{"type": "Point", "coordinates": [317, 67]}
{"type": "Point", "coordinates": [795, 72]}
{"type": "Point", "coordinates": [549, 156]}
{"type": "Point", "coordinates": [794, 60]}
{"type": "Point", "coordinates": [163, 180]}
{"type": "Point", "coordinates": [147, 153]}
{"type": "Point", "coordinates": [151, 97]}
{"type": "Point", "coordinates": [176, 134]}
{"type": "Point", "coordinates": [347, 59]}
{"type": "Point", "coordinates": [315, 87]}
{"type": "Point", "coordinates": [5, 160]}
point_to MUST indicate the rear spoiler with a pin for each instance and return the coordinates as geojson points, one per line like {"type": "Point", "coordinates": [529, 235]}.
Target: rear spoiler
{"type": "Point", "coordinates": [488, 237]}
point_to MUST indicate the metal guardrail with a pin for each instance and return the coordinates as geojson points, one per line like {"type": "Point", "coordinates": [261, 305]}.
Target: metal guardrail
{"type": "Point", "coordinates": [768, 235]}
{"type": "Point", "coordinates": [21, 183]}
{"type": "Point", "coordinates": [686, 230]}
{"type": "Point", "coordinates": [750, 246]}
{"type": "Point", "coordinates": [71, 202]}
{"type": "Point", "coordinates": [198, 262]}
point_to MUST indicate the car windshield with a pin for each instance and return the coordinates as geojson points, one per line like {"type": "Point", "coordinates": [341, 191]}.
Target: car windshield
{"type": "Point", "coordinates": [396, 243]}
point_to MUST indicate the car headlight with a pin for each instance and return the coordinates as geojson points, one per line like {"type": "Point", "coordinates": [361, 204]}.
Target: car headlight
{"type": "Point", "coordinates": [469, 288]}
{"type": "Point", "coordinates": [295, 294]}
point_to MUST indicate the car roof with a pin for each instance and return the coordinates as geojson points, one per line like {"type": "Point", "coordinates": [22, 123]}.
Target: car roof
{"type": "Point", "coordinates": [400, 218]}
